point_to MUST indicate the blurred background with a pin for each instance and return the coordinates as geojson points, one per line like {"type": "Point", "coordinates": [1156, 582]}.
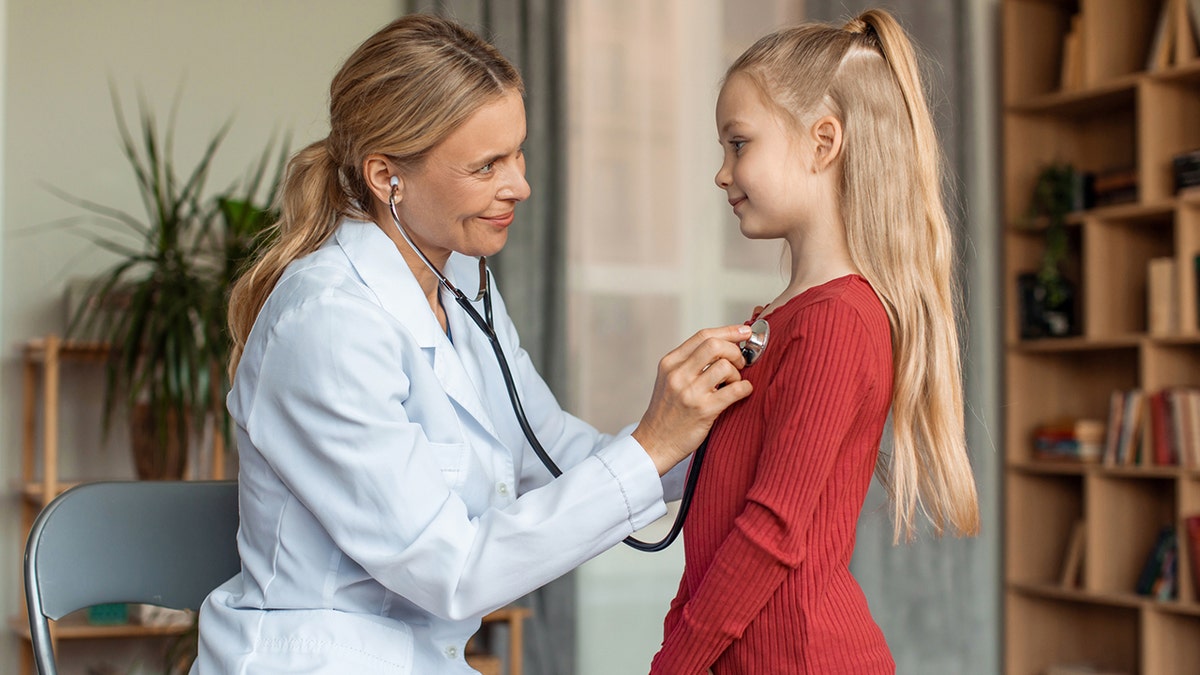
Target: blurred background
{"type": "Point", "coordinates": [625, 248]}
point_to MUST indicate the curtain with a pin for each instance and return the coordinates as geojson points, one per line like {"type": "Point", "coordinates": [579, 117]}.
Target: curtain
{"type": "Point", "coordinates": [530, 269]}
{"type": "Point", "coordinates": [944, 617]}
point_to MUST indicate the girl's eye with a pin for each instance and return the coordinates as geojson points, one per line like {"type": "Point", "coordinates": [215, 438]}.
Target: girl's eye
{"type": "Point", "coordinates": [737, 146]}
{"type": "Point", "coordinates": [487, 168]}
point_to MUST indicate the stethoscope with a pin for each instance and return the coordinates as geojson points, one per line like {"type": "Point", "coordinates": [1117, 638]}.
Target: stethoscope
{"type": "Point", "coordinates": [751, 348]}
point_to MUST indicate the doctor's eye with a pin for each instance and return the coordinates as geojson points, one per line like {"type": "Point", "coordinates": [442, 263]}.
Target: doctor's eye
{"type": "Point", "coordinates": [487, 168]}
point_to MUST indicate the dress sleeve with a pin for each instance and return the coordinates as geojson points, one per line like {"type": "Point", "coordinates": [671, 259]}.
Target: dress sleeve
{"type": "Point", "coordinates": [811, 404]}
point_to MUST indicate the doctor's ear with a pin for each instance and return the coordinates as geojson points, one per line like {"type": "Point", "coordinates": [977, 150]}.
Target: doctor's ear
{"type": "Point", "coordinates": [381, 177]}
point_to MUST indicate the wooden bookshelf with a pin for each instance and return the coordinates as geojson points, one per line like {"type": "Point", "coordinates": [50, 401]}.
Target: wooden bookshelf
{"type": "Point", "coordinates": [1112, 106]}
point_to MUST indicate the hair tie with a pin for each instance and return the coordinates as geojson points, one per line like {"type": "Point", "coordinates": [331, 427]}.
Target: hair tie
{"type": "Point", "coordinates": [857, 26]}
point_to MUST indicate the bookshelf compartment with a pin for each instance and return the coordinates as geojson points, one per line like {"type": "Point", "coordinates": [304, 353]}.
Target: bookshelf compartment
{"type": "Point", "coordinates": [1170, 364]}
{"type": "Point", "coordinates": [1062, 385]}
{"type": "Point", "coordinates": [1042, 512]}
{"type": "Point", "coordinates": [1170, 647]}
{"type": "Point", "coordinates": [1187, 228]}
{"type": "Point", "coordinates": [1025, 248]}
{"type": "Point", "coordinates": [1091, 139]}
{"type": "Point", "coordinates": [1034, 32]}
{"type": "Point", "coordinates": [1171, 108]}
{"type": "Point", "coordinates": [1116, 258]}
{"type": "Point", "coordinates": [1189, 505]}
{"type": "Point", "coordinates": [1047, 632]}
{"type": "Point", "coordinates": [1125, 515]}
{"type": "Point", "coordinates": [1117, 37]}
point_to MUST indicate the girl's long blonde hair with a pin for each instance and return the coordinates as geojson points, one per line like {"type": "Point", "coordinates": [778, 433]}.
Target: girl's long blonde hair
{"type": "Point", "coordinates": [403, 91]}
{"type": "Point", "coordinates": [899, 237]}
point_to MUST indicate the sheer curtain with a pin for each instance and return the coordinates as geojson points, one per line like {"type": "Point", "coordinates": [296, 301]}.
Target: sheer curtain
{"type": "Point", "coordinates": [944, 618]}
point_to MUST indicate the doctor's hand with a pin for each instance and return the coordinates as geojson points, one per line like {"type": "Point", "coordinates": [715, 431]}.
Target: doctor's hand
{"type": "Point", "coordinates": [696, 381]}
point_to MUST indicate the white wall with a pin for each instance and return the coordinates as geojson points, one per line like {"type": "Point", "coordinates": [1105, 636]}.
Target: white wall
{"type": "Point", "coordinates": [267, 64]}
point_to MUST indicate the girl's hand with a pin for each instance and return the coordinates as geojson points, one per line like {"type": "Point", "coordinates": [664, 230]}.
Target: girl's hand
{"type": "Point", "coordinates": [696, 381]}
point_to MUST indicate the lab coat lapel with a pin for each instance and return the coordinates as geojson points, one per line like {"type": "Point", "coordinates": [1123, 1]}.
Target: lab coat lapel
{"type": "Point", "coordinates": [376, 259]}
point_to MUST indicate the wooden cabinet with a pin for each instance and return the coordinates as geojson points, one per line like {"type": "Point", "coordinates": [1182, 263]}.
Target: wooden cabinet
{"type": "Point", "coordinates": [1081, 86]}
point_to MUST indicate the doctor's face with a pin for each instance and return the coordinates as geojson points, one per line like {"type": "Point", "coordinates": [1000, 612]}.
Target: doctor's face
{"type": "Point", "coordinates": [463, 196]}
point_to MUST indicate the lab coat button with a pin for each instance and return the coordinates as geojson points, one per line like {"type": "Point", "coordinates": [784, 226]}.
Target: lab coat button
{"type": "Point", "coordinates": [452, 652]}
{"type": "Point", "coordinates": [502, 488]}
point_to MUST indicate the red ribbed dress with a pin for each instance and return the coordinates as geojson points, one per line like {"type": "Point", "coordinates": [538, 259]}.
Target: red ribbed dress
{"type": "Point", "coordinates": [767, 588]}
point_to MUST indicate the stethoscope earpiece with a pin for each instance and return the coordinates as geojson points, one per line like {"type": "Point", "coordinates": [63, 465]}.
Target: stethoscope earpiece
{"type": "Point", "coordinates": [756, 344]}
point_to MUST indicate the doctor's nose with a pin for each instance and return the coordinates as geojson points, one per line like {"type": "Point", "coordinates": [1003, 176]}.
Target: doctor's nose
{"type": "Point", "coordinates": [515, 188]}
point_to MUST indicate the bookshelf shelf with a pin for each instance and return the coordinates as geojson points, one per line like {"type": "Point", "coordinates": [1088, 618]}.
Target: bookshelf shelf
{"type": "Point", "coordinates": [1091, 84]}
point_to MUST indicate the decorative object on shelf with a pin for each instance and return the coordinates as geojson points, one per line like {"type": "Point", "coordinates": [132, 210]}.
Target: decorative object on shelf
{"type": "Point", "coordinates": [169, 285]}
{"type": "Point", "coordinates": [1159, 578]}
{"type": "Point", "coordinates": [1047, 298]}
{"type": "Point", "coordinates": [1186, 169]}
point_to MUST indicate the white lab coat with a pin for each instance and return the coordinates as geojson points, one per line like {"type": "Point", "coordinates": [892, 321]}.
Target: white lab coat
{"type": "Point", "coordinates": [388, 498]}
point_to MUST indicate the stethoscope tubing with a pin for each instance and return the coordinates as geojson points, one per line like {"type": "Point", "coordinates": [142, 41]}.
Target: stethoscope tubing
{"type": "Point", "coordinates": [489, 330]}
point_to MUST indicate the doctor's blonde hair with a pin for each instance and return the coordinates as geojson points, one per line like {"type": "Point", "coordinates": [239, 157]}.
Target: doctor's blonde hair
{"type": "Point", "coordinates": [865, 73]}
{"type": "Point", "coordinates": [403, 91]}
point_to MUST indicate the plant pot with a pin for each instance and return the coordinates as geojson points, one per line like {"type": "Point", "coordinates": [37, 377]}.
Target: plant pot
{"type": "Point", "coordinates": [158, 454]}
{"type": "Point", "coordinates": [1041, 319]}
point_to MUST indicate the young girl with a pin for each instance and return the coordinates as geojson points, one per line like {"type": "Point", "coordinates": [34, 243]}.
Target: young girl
{"type": "Point", "coordinates": [828, 145]}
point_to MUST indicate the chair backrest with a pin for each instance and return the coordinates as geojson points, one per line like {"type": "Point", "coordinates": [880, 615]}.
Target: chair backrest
{"type": "Point", "coordinates": [166, 543]}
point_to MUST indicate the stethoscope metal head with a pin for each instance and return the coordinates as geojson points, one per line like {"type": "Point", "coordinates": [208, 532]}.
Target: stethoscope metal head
{"type": "Point", "coordinates": [756, 344]}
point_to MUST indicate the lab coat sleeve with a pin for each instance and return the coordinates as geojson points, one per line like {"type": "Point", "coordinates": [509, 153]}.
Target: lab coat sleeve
{"type": "Point", "coordinates": [329, 414]}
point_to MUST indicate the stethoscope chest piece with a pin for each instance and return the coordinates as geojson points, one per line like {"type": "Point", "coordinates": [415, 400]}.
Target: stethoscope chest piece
{"type": "Point", "coordinates": [756, 344]}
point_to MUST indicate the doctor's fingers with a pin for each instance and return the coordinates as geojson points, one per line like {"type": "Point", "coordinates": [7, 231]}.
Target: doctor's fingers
{"type": "Point", "coordinates": [720, 385]}
{"type": "Point", "coordinates": [707, 346]}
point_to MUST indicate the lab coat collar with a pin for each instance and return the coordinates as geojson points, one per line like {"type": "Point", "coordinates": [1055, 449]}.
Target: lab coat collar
{"type": "Point", "coordinates": [379, 263]}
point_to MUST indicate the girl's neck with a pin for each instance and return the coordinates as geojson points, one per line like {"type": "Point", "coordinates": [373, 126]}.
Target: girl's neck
{"type": "Point", "coordinates": [817, 258]}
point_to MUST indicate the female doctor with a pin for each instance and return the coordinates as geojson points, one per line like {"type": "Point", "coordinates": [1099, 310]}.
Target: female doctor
{"type": "Point", "coordinates": [388, 496]}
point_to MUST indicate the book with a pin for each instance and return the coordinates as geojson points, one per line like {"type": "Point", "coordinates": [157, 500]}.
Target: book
{"type": "Point", "coordinates": [1160, 291]}
{"type": "Point", "coordinates": [1157, 578]}
{"type": "Point", "coordinates": [1185, 35]}
{"type": "Point", "coordinates": [1162, 45]}
{"type": "Point", "coordinates": [1071, 76]}
{"type": "Point", "coordinates": [1191, 526]}
{"type": "Point", "coordinates": [1112, 435]}
{"type": "Point", "coordinates": [1160, 445]}
{"type": "Point", "coordinates": [1113, 432]}
{"type": "Point", "coordinates": [1073, 562]}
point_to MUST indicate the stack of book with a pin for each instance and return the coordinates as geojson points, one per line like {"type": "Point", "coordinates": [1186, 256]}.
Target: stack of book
{"type": "Point", "coordinates": [1160, 428]}
{"type": "Point", "coordinates": [1069, 439]}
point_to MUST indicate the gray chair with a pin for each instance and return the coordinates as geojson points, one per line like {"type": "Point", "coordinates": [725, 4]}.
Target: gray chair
{"type": "Point", "coordinates": [166, 543]}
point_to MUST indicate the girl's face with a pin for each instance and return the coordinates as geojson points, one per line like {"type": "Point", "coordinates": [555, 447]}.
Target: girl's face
{"type": "Point", "coordinates": [764, 167]}
{"type": "Point", "coordinates": [463, 195]}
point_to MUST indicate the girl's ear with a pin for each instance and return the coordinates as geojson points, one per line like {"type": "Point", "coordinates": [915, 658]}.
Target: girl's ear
{"type": "Point", "coordinates": [378, 173]}
{"type": "Point", "coordinates": [827, 138]}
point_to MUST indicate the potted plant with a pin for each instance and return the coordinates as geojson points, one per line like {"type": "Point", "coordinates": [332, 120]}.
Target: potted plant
{"type": "Point", "coordinates": [161, 305]}
{"type": "Point", "coordinates": [1047, 296]}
